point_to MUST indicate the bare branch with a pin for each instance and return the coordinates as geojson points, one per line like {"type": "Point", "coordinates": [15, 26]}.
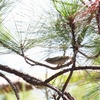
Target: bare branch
{"type": "Point", "coordinates": [31, 80]}
{"type": "Point", "coordinates": [35, 81]}
{"type": "Point", "coordinates": [68, 70]}
{"type": "Point", "coordinates": [12, 85]}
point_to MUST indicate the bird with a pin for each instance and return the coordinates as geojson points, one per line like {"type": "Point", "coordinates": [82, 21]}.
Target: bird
{"type": "Point", "coordinates": [59, 60]}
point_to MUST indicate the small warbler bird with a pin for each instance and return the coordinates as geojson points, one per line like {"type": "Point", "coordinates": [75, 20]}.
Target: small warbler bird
{"type": "Point", "coordinates": [59, 60]}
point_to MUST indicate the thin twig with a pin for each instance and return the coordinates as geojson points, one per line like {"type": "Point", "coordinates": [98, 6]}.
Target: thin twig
{"type": "Point", "coordinates": [12, 85]}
